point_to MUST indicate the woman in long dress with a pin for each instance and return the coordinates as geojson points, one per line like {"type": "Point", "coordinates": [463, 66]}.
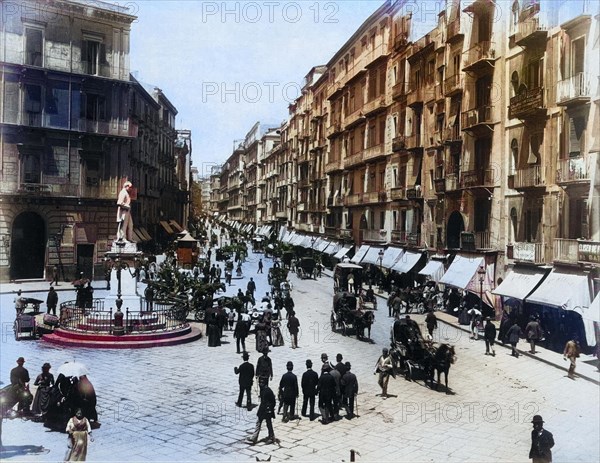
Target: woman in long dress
{"type": "Point", "coordinates": [44, 382]}
{"type": "Point", "coordinates": [276, 335]}
{"type": "Point", "coordinates": [78, 428]}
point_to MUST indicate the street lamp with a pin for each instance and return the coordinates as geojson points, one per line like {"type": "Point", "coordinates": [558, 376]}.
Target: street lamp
{"type": "Point", "coordinates": [481, 273]}
{"type": "Point", "coordinates": [380, 259]}
{"type": "Point", "coordinates": [312, 244]}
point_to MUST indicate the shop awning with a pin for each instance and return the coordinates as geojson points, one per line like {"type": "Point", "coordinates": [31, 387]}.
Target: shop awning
{"type": "Point", "coordinates": [322, 245]}
{"type": "Point", "coordinates": [175, 226]}
{"type": "Point", "coordinates": [282, 232]}
{"type": "Point", "coordinates": [298, 240]}
{"type": "Point", "coordinates": [333, 248]}
{"type": "Point", "coordinates": [146, 234]}
{"type": "Point", "coordinates": [390, 257]}
{"type": "Point", "coordinates": [434, 270]}
{"type": "Point", "coordinates": [360, 254]}
{"type": "Point", "coordinates": [590, 317]}
{"type": "Point", "coordinates": [520, 283]}
{"type": "Point", "coordinates": [166, 227]}
{"type": "Point", "coordinates": [341, 253]}
{"type": "Point", "coordinates": [462, 270]}
{"type": "Point", "coordinates": [372, 256]}
{"type": "Point", "coordinates": [565, 289]}
{"type": "Point", "coordinates": [137, 237]}
{"type": "Point", "coordinates": [406, 263]}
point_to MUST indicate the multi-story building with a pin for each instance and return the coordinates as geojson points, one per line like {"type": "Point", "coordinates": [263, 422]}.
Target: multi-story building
{"type": "Point", "coordinates": [235, 184]}
{"type": "Point", "coordinates": [65, 134]}
{"type": "Point", "coordinates": [215, 187]}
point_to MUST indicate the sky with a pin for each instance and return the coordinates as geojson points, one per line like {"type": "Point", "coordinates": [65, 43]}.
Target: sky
{"type": "Point", "coordinates": [227, 65]}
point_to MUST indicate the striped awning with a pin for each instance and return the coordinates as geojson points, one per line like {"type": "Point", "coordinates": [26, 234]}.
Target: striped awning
{"type": "Point", "coordinates": [360, 254]}
{"type": "Point", "coordinates": [175, 226]}
{"type": "Point", "coordinates": [166, 227]}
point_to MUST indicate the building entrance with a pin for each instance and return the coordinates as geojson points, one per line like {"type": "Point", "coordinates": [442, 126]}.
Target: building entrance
{"type": "Point", "coordinates": [28, 247]}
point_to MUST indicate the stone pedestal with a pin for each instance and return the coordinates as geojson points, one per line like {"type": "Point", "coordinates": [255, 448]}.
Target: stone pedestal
{"type": "Point", "coordinates": [126, 252]}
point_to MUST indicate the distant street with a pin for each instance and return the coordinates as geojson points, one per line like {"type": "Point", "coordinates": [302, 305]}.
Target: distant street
{"type": "Point", "coordinates": [177, 403]}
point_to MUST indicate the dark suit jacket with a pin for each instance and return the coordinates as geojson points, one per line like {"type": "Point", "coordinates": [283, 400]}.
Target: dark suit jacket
{"type": "Point", "coordinates": [327, 386]}
{"type": "Point", "coordinates": [246, 372]}
{"type": "Point", "coordinates": [341, 368]}
{"type": "Point", "coordinates": [288, 386]}
{"type": "Point", "coordinates": [266, 408]}
{"type": "Point", "coordinates": [310, 381]}
{"type": "Point", "coordinates": [293, 325]}
{"type": "Point", "coordinates": [541, 445]}
{"type": "Point", "coordinates": [264, 366]}
{"type": "Point", "coordinates": [489, 331]}
{"type": "Point", "coordinates": [349, 384]}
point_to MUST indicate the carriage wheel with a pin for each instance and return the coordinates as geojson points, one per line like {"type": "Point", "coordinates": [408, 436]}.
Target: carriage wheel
{"type": "Point", "coordinates": [408, 372]}
{"type": "Point", "coordinates": [343, 327]}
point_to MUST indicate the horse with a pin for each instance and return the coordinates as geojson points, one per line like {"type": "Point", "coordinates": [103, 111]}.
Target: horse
{"type": "Point", "coordinates": [443, 357]}
{"type": "Point", "coordinates": [362, 322]}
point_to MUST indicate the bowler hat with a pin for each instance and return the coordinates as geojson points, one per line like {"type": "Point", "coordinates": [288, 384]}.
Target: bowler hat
{"type": "Point", "coordinates": [266, 350]}
{"type": "Point", "coordinates": [20, 360]}
{"type": "Point", "coordinates": [537, 419]}
{"type": "Point", "coordinates": [245, 355]}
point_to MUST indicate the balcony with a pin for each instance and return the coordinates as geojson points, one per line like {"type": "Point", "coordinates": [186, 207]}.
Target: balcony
{"type": "Point", "coordinates": [413, 239]}
{"type": "Point", "coordinates": [530, 177]}
{"type": "Point", "coordinates": [528, 104]}
{"type": "Point", "coordinates": [353, 160]}
{"type": "Point", "coordinates": [337, 202]}
{"type": "Point", "coordinates": [413, 193]}
{"type": "Point", "coordinates": [371, 197]}
{"type": "Point", "coordinates": [452, 134]}
{"type": "Point", "coordinates": [572, 170]}
{"type": "Point", "coordinates": [399, 236]}
{"type": "Point", "coordinates": [439, 185]}
{"type": "Point", "coordinates": [304, 182]}
{"type": "Point", "coordinates": [375, 106]}
{"type": "Point", "coordinates": [400, 41]}
{"type": "Point", "coordinates": [477, 178]}
{"type": "Point", "coordinates": [532, 253]}
{"type": "Point", "coordinates": [438, 92]}
{"type": "Point", "coordinates": [477, 121]}
{"type": "Point", "coordinates": [353, 199]}
{"type": "Point", "coordinates": [416, 95]}
{"type": "Point", "coordinates": [574, 90]}
{"type": "Point", "coordinates": [414, 141]}
{"type": "Point", "coordinates": [531, 32]}
{"type": "Point", "coordinates": [399, 90]}
{"type": "Point", "coordinates": [374, 152]}
{"type": "Point", "coordinates": [334, 165]}
{"type": "Point", "coordinates": [453, 85]}
{"type": "Point", "coordinates": [334, 129]}
{"type": "Point", "coordinates": [379, 236]}
{"type": "Point", "coordinates": [483, 240]}
{"type": "Point", "coordinates": [566, 250]}
{"type": "Point", "coordinates": [398, 143]}
{"type": "Point", "coordinates": [452, 182]}
{"type": "Point", "coordinates": [354, 118]}
{"type": "Point", "coordinates": [480, 58]}
{"type": "Point", "coordinates": [332, 232]}
{"type": "Point", "coordinates": [398, 193]}
{"type": "Point", "coordinates": [281, 214]}
{"type": "Point", "coordinates": [453, 31]}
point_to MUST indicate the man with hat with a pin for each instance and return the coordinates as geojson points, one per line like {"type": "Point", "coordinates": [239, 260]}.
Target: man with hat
{"type": "Point", "coordinates": [325, 361]}
{"type": "Point", "coordinates": [19, 379]}
{"type": "Point", "coordinates": [542, 442]}
{"type": "Point", "coordinates": [264, 367]}
{"type": "Point", "coordinates": [266, 412]}
{"type": "Point", "coordinates": [489, 335]}
{"type": "Point", "coordinates": [288, 391]}
{"type": "Point", "coordinates": [246, 379]}
{"type": "Point", "coordinates": [326, 389]}
{"type": "Point", "coordinates": [350, 388]}
{"type": "Point", "coordinates": [384, 368]}
{"type": "Point", "coordinates": [310, 382]}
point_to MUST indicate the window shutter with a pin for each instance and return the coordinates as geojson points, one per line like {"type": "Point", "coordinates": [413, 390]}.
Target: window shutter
{"type": "Point", "coordinates": [574, 139]}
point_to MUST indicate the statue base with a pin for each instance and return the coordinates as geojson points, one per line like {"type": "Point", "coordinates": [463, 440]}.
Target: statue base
{"type": "Point", "coordinates": [122, 246]}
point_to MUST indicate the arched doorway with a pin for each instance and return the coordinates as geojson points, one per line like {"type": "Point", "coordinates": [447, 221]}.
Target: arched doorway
{"type": "Point", "coordinates": [28, 247]}
{"type": "Point", "coordinates": [455, 227]}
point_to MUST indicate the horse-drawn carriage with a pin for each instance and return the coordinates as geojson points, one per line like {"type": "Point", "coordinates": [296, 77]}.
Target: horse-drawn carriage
{"type": "Point", "coordinates": [416, 357]}
{"type": "Point", "coordinates": [286, 259]}
{"type": "Point", "coordinates": [258, 244]}
{"type": "Point", "coordinates": [347, 277]}
{"type": "Point", "coordinates": [277, 275]}
{"type": "Point", "coordinates": [349, 313]}
{"type": "Point", "coordinates": [306, 267]}
{"type": "Point", "coordinates": [26, 323]}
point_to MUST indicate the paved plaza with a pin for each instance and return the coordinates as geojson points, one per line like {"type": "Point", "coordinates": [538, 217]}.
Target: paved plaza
{"type": "Point", "coordinates": [177, 403]}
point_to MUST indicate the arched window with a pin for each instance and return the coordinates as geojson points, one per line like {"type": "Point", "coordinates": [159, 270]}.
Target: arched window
{"type": "Point", "coordinates": [515, 15]}
{"type": "Point", "coordinates": [513, 225]}
{"type": "Point", "coordinates": [514, 80]}
{"type": "Point", "coordinates": [513, 160]}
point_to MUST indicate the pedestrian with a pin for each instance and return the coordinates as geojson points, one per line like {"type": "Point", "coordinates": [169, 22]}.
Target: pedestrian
{"type": "Point", "coordinates": [542, 442]}
{"type": "Point", "coordinates": [351, 287]}
{"type": "Point", "coordinates": [513, 335]}
{"type": "Point", "coordinates": [19, 380]}
{"type": "Point", "coordinates": [240, 332]}
{"type": "Point", "coordinates": [310, 382]}
{"type": "Point", "coordinates": [88, 295]}
{"type": "Point", "coordinates": [246, 379]}
{"type": "Point", "coordinates": [431, 322]}
{"type": "Point", "coordinates": [489, 335]}
{"type": "Point", "coordinates": [79, 429]}
{"type": "Point", "coordinates": [266, 412]}
{"type": "Point", "coordinates": [54, 275]}
{"type": "Point", "coordinates": [52, 301]}
{"type": "Point", "coordinates": [260, 266]}
{"type": "Point", "coordinates": [534, 333]}
{"type": "Point", "coordinates": [264, 367]}
{"type": "Point", "coordinates": [228, 276]}
{"type": "Point", "coordinates": [288, 304]}
{"type": "Point", "coordinates": [44, 383]}
{"type": "Point", "coordinates": [383, 367]}
{"type": "Point", "coordinates": [340, 365]}
{"type": "Point", "coordinates": [326, 390]}
{"type": "Point", "coordinates": [325, 361]}
{"type": "Point", "coordinates": [390, 304]}
{"type": "Point", "coordinates": [474, 321]}
{"type": "Point", "coordinates": [571, 352]}
{"type": "Point", "coordinates": [231, 319]}
{"type": "Point", "coordinates": [337, 396]}
{"type": "Point", "coordinates": [288, 391]}
{"type": "Point", "coordinates": [293, 326]}
{"type": "Point", "coordinates": [218, 274]}
{"type": "Point", "coordinates": [20, 303]}
{"type": "Point", "coordinates": [149, 296]}
{"type": "Point", "coordinates": [350, 390]}
{"type": "Point", "coordinates": [397, 304]}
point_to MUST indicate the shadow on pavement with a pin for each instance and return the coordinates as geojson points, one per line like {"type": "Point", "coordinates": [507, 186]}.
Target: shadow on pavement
{"type": "Point", "coordinates": [11, 451]}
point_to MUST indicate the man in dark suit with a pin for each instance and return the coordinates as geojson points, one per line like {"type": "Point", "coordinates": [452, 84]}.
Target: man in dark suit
{"type": "Point", "coordinates": [266, 412]}
{"type": "Point", "coordinates": [542, 442]}
{"type": "Point", "coordinates": [350, 387]}
{"type": "Point", "coordinates": [240, 332]}
{"type": "Point", "coordinates": [251, 286]}
{"type": "Point", "coordinates": [310, 381]}
{"type": "Point", "coordinates": [288, 391]}
{"type": "Point", "coordinates": [327, 391]}
{"type": "Point", "coordinates": [246, 372]}
{"type": "Point", "coordinates": [264, 367]}
{"type": "Point", "coordinates": [340, 365]}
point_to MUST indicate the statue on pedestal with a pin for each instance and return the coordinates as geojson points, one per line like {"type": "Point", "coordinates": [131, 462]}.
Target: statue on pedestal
{"type": "Point", "coordinates": [125, 223]}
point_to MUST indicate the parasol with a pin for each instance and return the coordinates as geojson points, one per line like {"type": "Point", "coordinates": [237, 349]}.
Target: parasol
{"type": "Point", "coordinates": [72, 369]}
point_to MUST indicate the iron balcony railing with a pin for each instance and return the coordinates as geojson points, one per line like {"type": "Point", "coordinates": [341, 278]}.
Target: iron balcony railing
{"type": "Point", "coordinates": [574, 169]}
{"type": "Point", "coordinates": [573, 88]}
{"type": "Point", "coordinates": [532, 176]}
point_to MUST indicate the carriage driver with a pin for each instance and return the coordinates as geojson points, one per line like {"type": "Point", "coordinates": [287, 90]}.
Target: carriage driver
{"type": "Point", "coordinates": [384, 368]}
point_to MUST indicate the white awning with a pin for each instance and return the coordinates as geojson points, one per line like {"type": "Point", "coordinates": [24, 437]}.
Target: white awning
{"type": "Point", "coordinates": [462, 270]}
{"type": "Point", "coordinates": [406, 263]}
{"type": "Point", "coordinates": [333, 248]}
{"type": "Point", "coordinates": [564, 289]}
{"type": "Point", "coordinates": [360, 254]}
{"type": "Point", "coordinates": [288, 236]}
{"type": "Point", "coordinates": [390, 257]}
{"type": "Point", "coordinates": [322, 245]}
{"type": "Point", "coordinates": [372, 256]}
{"type": "Point", "coordinates": [520, 283]}
{"type": "Point", "coordinates": [282, 233]}
{"type": "Point", "coordinates": [297, 240]}
{"type": "Point", "coordinates": [590, 316]}
{"type": "Point", "coordinates": [434, 270]}
{"type": "Point", "coordinates": [317, 243]}
{"type": "Point", "coordinates": [343, 251]}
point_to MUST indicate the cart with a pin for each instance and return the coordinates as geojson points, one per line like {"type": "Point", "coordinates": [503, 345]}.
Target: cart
{"type": "Point", "coordinates": [25, 326]}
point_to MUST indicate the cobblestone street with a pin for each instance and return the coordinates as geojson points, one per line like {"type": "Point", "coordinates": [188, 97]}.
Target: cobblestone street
{"type": "Point", "coordinates": [177, 403]}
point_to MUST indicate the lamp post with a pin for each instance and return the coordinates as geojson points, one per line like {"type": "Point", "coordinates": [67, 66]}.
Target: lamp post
{"type": "Point", "coordinates": [312, 244]}
{"type": "Point", "coordinates": [380, 259]}
{"type": "Point", "coordinates": [481, 273]}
